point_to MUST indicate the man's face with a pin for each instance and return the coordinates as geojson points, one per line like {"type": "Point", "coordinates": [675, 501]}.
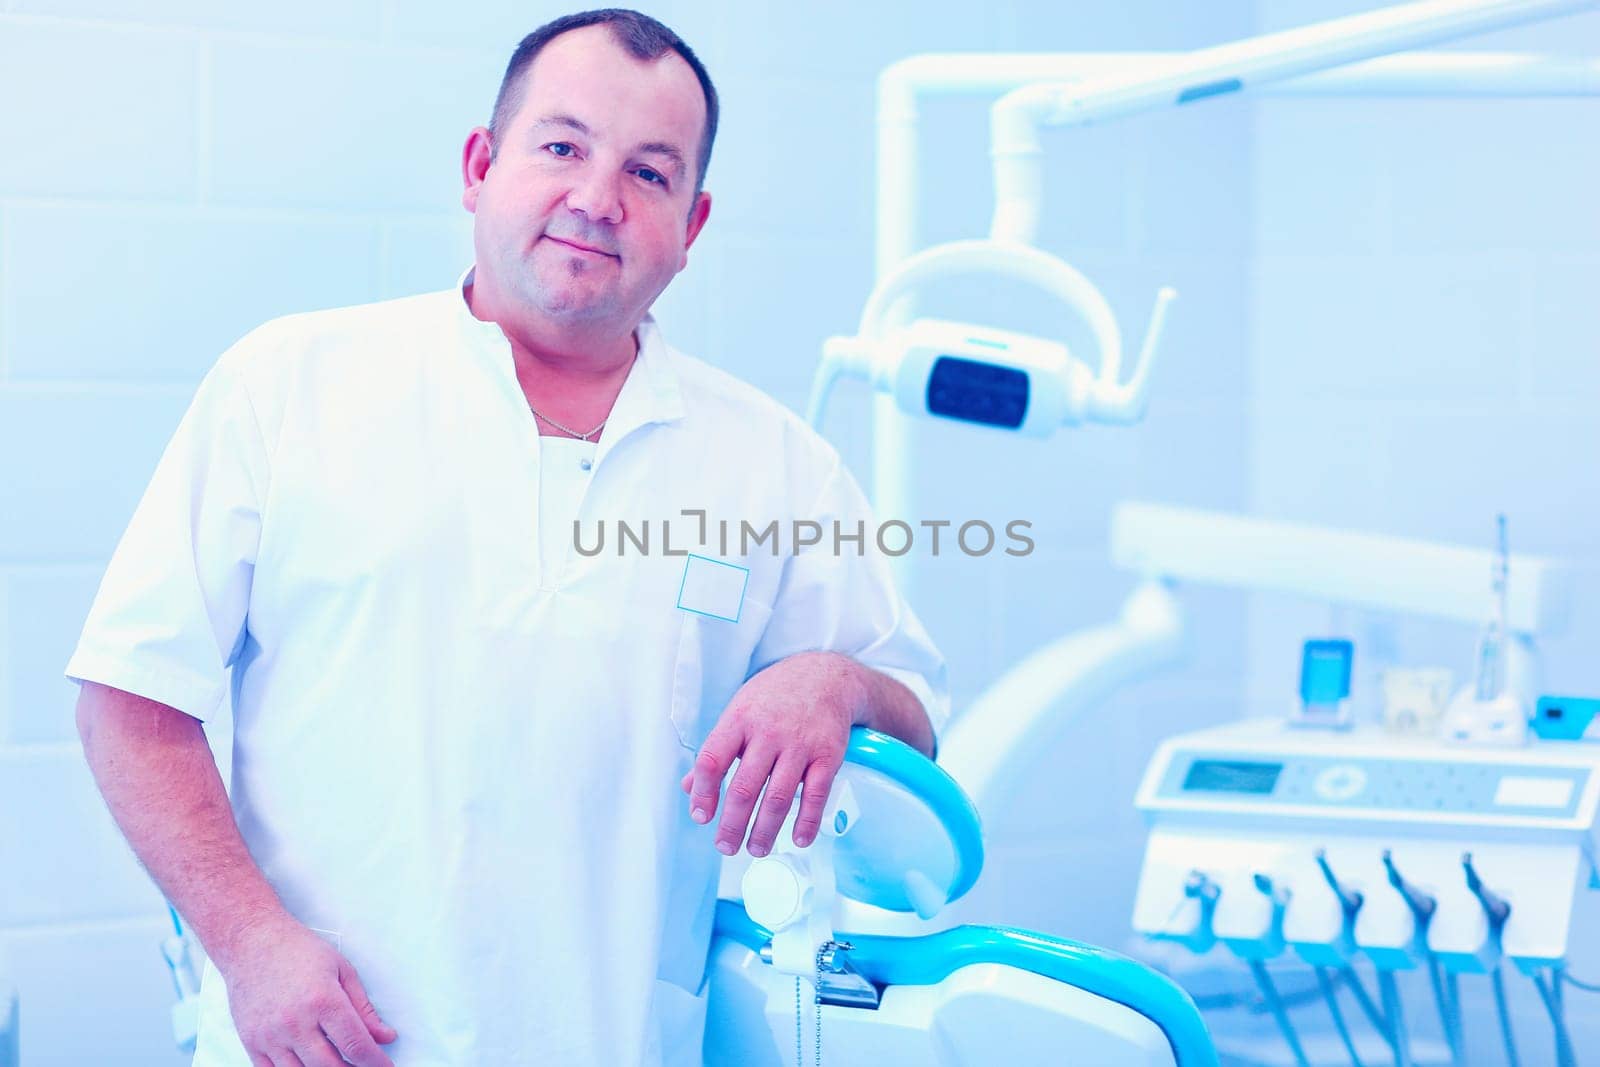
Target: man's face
{"type": "Point", "coordinates": [589, 207]}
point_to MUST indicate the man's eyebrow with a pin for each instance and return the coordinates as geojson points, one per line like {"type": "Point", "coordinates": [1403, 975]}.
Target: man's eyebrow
{"type": "Point", "coordinates": [566, 121]}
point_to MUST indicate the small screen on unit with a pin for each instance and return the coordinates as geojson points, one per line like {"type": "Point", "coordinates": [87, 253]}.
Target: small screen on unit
{"type": "Point", "coordinates": [977, 392]}
{"type": "Point", "coordinates": [1231, 776]}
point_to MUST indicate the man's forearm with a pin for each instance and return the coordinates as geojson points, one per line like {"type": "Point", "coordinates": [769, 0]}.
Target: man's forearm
{"type": "Point", "coordinates": [160, 781]}
{"type": "Point", "coordinates": [889, 707]}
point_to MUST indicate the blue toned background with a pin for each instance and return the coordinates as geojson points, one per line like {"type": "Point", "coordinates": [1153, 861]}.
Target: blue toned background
{"type": "Point", "coordinates": [1388, 320]}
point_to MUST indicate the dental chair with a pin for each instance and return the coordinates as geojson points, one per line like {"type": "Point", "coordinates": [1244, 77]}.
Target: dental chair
{"type": "Point", "coordinates": [786, 988]}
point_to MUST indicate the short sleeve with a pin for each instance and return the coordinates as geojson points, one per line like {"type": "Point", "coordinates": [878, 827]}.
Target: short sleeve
{"type": "Point", "coordinates": [839, 595]}
{"type": "Point", "coordinates": [169, 617]}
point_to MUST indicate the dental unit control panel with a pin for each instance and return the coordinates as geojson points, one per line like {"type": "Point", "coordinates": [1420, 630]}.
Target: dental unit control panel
{"type": "Point", "coordinates": [1400, 851]}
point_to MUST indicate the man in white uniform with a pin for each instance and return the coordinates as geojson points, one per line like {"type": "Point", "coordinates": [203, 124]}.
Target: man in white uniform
{"type": "Point", "coordinates": [458, 831]}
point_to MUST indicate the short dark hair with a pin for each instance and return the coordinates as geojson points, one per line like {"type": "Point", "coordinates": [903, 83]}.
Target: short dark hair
{"type": "Point", "coordinates": [642, 36]}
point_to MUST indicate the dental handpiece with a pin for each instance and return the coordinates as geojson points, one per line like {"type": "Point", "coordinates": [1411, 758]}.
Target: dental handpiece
{"type": "Point", "coordinates": [1423, 905]}
{"type": "Point", "coordinates": [1496, 910]}
{"type": "Point", "coordinates": [1350, 902]}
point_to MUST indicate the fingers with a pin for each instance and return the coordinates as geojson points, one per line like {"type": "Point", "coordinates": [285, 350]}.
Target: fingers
{"type": "Point", "coordinates": [337, 1027]}
{"type": "Point", "coordinates": [346, 1033]}
{"type": "Point", "coordinates": [744, 789]}
{"type": "Point", "coordinates": [296, 1051]}
{"type": "Point", "coordinates": [818, 784]}
{"type": "Point", "coordinates": [775, 804]}
{"type": "Point", "coordinates": [301, 1044]}
{"type": "Point", "coordinates": [314, 1051]}
{"type": "Point", "coordinates": [715, 757]}
{"type": "Point", "coordinates": [349, 1034]}
{"type": "Point", "coordinates": [380, 1031]}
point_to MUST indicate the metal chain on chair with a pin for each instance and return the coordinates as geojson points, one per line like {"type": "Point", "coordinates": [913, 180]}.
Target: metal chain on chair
{"type": "Point", "coordinates": [823, 951]}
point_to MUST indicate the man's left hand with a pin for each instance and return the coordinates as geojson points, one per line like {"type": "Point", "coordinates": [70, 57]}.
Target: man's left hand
{"type": "Point", "coordinates": [788, 726]}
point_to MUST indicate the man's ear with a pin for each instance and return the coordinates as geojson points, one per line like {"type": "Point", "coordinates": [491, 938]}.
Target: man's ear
{"type": "Point", "coordinates": [697, 222]}
{"type": "Point", "coordinates": [475, 155]}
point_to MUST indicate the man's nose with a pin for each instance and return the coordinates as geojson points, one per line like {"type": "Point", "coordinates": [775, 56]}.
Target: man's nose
{"type": "Point", "coordinates": [597, 194]}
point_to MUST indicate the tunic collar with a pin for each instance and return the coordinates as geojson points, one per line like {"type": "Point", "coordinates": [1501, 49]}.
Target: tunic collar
{"type": "Point", "coordinates": [651, 393]}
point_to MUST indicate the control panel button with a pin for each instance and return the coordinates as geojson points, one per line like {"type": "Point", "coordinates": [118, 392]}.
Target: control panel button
{"type": "Point", "coordinates": [1341, 782]}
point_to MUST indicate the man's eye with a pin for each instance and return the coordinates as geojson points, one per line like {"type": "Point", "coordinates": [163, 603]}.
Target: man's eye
{"type": "Point", "coordinates": [560, 149]}
{"type": "Point", "coordinates": [650, 176]}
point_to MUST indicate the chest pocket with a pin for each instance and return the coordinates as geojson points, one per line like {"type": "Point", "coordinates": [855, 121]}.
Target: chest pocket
{"type": "Point", "coordinates": [713, 659]}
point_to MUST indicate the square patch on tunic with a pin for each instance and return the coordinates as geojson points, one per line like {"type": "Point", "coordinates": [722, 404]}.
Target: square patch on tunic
{"type": "Point", "coordinates": [712, 587]}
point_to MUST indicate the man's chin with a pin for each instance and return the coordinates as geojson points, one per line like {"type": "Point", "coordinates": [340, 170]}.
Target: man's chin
{"type": "Point", "coordinates": [572, 309]}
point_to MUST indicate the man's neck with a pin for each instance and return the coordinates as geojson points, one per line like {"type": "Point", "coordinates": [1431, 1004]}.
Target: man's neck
{"type": "Point", "coordinates": [572, 375]}
{"type": "Point", "coordinates": [581, 351]}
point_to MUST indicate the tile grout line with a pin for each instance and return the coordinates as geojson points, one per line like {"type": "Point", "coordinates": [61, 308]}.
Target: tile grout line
{"type": "Point", "coordinates": [5, 280]}
{"type": "Point", "coordinates": [203, 121]}
{"type": "Point", "coordinates": [108, 924]}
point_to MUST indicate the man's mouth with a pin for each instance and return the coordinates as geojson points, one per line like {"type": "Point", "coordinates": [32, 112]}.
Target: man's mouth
{"type": "Point", "coordinates": [581, 247]}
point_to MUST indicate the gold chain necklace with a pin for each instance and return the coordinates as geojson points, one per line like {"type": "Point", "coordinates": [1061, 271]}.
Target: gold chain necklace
{"type": "Point", "coordinates": [568, 429]}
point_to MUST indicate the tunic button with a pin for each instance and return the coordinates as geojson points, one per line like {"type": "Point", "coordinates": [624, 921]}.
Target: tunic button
{"type": "Point", "coordinates": [585, 464]}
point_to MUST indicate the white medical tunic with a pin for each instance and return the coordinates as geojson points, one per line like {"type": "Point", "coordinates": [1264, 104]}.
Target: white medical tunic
{"type": "Point", "coordinates": [457, 739]}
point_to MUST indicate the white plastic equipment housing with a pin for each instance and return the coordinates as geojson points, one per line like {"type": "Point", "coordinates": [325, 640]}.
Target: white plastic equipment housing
{"type": "Point", "coordinates": [1247, 920]}
{"type": "Point", "coordinates": [777, 889]}
{"type": "Point", "coordinates": [1058, 385]}
{"type": "Point", "coordinates": [1536, 862]}
{"type": "Point", "coordinates": [1079, 394]}
{"type": "Point", "coordinates": [792, 892]}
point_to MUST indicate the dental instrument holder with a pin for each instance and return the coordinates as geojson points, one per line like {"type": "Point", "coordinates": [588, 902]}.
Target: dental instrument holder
{"type": "Point", "coordinates": [1496, 910]}
{"type": "Point", "coordinates": [1256, 951]}
{"type": "Point", "coordinates": [1340, 951]}
{"type": "Point", "coordinates": [1270, 944]}
{"type": "Point", "coordinates": [1325, 684]}
{"type": "Point", "coordinates": [1196, 932]}
{"type": "Point", "coordinates": [1492, 709]}
{"type": "Point", "coordinates": [1343, 946]}
{"type": "Point", "coordinates": [1423, 906]}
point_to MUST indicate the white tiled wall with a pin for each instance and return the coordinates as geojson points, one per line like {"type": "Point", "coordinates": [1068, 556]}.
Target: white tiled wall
{"type": "Point", "coordinates": [1424, 352]}
{"type": "Point", "coordinates": [1361, 294]}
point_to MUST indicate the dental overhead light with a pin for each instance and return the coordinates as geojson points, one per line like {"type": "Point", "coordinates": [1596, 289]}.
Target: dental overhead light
{"type": "Point", "coordinates": [985, 376]}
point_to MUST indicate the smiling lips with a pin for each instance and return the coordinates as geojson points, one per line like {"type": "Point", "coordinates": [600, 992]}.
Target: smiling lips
{"type": "Point", "coordinates": [580, 248]}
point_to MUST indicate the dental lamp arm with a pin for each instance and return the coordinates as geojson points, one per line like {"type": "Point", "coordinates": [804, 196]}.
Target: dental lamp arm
{"type": "Point", "coordinates": [1015, 118]}
{"type": "Point", "coordinates": [1111, 401]}
{"type": "Point", "coordinates": [840, 356]}
{"type": "Point", "coordinates": [1014, 122]}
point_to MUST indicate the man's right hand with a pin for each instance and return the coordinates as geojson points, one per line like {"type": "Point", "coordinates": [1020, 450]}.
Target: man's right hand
{"type": "Point", "coordinates": [295, 1000]}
